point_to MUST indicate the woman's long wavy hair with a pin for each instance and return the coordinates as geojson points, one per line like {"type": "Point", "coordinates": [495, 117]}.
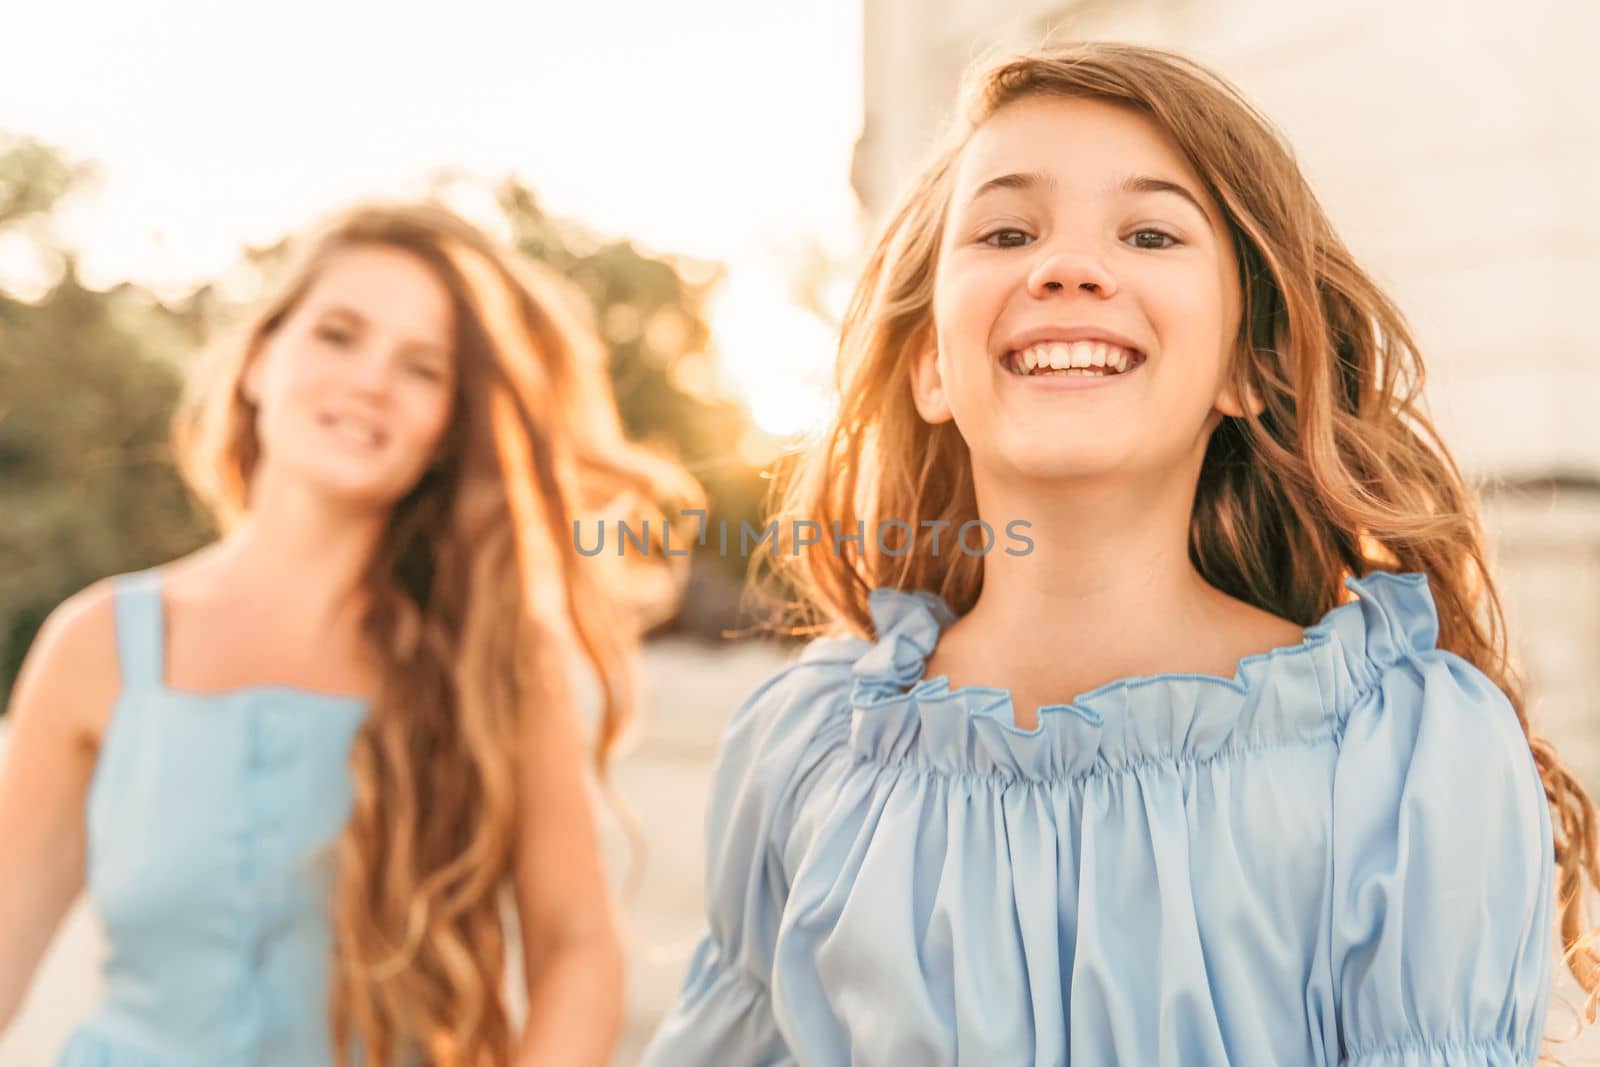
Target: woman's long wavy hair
{"type": "Point", "coordinates": [473, 589]}
{"type": "Point", "coordinates": [1341, 472]}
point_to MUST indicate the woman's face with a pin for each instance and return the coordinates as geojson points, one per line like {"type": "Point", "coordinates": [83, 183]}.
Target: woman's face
{"type": "Point", "coordinates": [354, 389]}
{"type": "Point", "coordinates": [1079, 238]}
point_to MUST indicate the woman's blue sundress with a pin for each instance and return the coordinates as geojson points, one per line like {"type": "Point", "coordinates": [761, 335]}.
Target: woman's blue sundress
{"type": "Point", "coordinates": [210, 821]}
{"type": "Point", "coordinates": [1342, 855]}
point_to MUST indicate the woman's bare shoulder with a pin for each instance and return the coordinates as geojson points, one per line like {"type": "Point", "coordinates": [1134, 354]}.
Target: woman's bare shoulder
{"type": "Point", "coordinates": [71, 672]}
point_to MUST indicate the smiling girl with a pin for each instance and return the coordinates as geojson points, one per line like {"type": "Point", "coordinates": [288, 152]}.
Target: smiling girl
{"type": "Point", "coordinates": [298, 769]}
{"type": "Point", "coordinates": [1230, 768]}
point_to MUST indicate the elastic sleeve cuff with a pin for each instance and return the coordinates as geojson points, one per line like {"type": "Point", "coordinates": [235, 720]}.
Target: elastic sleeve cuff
{"type": "Point", "coordinates": [723, 1017]}
{"type": "Point", "coordinates": [1420, 1053]}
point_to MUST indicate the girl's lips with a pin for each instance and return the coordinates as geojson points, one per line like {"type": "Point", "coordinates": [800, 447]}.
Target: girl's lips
{"type": "Point", "coordinates": [1068, 335]}
{"type": "Point", "coordinates": [1062, 355]}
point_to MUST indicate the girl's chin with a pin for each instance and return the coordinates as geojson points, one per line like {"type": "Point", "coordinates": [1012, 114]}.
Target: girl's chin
{"type": "Point", "coordinates": [356, 493]}
{"type": "Point", "coordinates": [1064, 462]}
{"type": "Point", "coordinates": [1066, 473]}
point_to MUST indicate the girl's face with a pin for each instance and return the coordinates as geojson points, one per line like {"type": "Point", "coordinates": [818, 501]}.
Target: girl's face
{"type": "Point", "coordinates": [354, 389]}
{"type": "Point", "coordinates": [1079, 238]}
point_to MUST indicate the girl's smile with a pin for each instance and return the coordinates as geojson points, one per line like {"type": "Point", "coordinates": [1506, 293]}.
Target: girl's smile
{"type": "Point", "coordinates": [1079, 357]}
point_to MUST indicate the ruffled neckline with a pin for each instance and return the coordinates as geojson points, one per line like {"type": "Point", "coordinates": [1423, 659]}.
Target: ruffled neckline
{"type": "Point", "coordinates": [1295, 694]}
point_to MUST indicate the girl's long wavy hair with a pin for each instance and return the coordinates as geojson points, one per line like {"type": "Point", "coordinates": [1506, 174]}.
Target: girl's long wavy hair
{"type": "Point", "coordinates": [475, 586]}
{"type": "Point", "coordinates": [1341, 473]}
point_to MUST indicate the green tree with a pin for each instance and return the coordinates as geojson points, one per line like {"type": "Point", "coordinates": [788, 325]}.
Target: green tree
{"type": "Point", "coordinates": [87, 486]}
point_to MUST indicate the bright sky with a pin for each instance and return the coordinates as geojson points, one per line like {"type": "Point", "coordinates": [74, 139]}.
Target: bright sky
{"type": "Point", "coordinates": [716, 128]}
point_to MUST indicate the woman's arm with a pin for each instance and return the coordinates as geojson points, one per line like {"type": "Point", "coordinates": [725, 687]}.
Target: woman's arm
{"type": "Point", "coordinates": [571, 952]}
{"type": "Point", "coordinates": [69, 676]}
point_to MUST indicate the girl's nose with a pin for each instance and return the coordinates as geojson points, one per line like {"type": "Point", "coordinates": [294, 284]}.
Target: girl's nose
{"type": "Point", "coordinates": [373, 371]}
{"type": "Point", "coordinates": [1066, 271]}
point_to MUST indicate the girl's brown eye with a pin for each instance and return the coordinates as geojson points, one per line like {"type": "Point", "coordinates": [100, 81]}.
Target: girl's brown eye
{"type": "Point", "coordinates": [1159, 235]}
{"type": "Point", "coordinates": [1007, 238]}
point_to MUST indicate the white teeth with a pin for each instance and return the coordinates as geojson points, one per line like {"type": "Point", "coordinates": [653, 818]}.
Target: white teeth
{"type": "Point", "coordinates": [1073, 356]}
{"type": "Point", "coordinates": [355, 432]}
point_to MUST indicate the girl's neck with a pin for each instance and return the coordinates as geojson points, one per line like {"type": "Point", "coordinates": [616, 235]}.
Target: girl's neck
{"type": "Point", "coordinates": [1107, 563]}
{"type": "Point", "coordinates": [298, 549]}
{"type": "Point", "coordinates": [1107, 592]}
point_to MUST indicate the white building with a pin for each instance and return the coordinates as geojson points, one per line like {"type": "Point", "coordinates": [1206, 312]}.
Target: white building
{"type": "Point", "coordinates": [1454, 143]}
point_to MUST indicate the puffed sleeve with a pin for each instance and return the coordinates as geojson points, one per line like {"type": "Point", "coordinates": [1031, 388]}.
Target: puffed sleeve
{"type": "Point", "coordinates": [773, 752]}
{"type": "Point", "coordinates": [1443, 868]}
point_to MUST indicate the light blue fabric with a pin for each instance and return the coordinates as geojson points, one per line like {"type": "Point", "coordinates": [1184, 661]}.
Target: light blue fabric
{"type": "Point", "coordinates": [209, 821]}
{"type": "Point", "coordinates": [1341, 855]}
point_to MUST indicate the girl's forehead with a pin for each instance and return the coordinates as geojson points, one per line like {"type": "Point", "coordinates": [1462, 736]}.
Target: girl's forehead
{"type": "Point", "coordinates": [1070, 139]}
{"type": "Point", "coordinates": [385, 285]}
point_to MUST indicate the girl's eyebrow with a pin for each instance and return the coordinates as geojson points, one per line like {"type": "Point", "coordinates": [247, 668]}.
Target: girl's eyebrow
{"type": "Point", "coordinates": [330, 311]}
{"type": "Point", "coordinates": [343, 311]}
{"type": "Point", "coordinates": [1023, 181]}
{"type": "Point", "coordinates": [1146, 183]}
{"type": "Point", "coordinates": [1027, 181]}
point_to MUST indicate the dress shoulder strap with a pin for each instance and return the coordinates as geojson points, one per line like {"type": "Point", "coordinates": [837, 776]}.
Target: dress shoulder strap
{"type": "Point", "coordinates": [141, 629]}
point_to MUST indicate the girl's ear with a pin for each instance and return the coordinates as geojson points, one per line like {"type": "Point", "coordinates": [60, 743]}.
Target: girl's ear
{"type": "Point", "coordinates": [1229, 402]}
{"type": "Point", "coordinates": [927, 382]}
{"type": "Point", "coordinates": [1234, 403]}
{"type": "Point", "coordinates": [250, 382]}
{"type": "Point", "coordinates": [249, 388]}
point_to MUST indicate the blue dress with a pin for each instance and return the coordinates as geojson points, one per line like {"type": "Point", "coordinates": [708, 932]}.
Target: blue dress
{"type": "Point", "coordinates": [209, 821]}
{"type": "Point", "coordinates": [1342, 855]}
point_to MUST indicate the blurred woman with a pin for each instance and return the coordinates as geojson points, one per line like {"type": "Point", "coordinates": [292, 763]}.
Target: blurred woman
{"type": "Point", "coordinates": [298, 769]}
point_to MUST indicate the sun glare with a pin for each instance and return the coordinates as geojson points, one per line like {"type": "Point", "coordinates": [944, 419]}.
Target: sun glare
{"type": "Point", "coordinates": [777, 356]}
